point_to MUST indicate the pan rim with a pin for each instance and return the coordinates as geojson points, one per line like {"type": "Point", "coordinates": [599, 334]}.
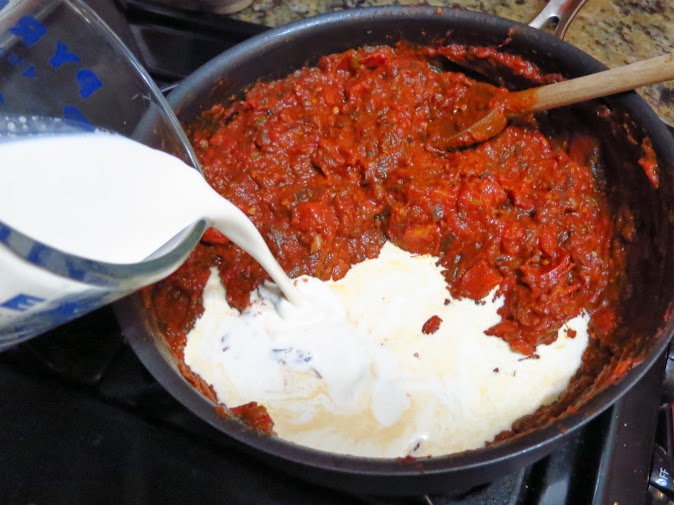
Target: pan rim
{"type": "Point", "coordinates": [535, 444]}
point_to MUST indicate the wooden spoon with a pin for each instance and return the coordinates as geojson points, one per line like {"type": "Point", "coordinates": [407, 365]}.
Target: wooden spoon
{"type": "Point", "coordinates": [487, 108]}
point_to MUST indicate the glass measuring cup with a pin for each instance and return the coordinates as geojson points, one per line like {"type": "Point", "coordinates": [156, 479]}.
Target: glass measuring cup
{"type": "Point", "coordinates": [63, 70]}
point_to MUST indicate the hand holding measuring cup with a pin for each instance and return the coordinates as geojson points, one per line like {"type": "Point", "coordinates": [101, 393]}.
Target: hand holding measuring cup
{"type": "Point", "coordinates": [86, 218]}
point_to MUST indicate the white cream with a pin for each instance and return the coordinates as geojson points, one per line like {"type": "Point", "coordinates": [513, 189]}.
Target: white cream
{"type": "Point", "coordinates": [350, 370]}
{"type": "Point", "coordinates": [96, 195]}
{"type": "Point", "coordinates": [107, 198]}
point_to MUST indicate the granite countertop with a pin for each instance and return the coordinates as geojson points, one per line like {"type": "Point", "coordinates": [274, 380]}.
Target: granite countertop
{"type": "Point", "coordinates": [615, 32]}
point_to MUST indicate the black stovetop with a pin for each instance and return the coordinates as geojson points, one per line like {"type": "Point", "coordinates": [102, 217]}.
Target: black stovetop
{"type": "Point", "coordinates": [82, 421]}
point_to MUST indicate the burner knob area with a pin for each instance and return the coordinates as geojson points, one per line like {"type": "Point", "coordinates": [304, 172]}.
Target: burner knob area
{"type": "Point", "coordinates": [661, 482]}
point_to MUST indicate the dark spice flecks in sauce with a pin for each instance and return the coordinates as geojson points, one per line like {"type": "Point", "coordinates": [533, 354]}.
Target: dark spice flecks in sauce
{"type": "Point", "coordinates": [333, 160]}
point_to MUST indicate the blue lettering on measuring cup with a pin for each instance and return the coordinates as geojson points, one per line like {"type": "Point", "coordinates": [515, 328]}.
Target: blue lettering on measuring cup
{"type": "Point", "coordinates": [3, 4]}
{"type": "Point", "coordinates": [18, 61]}
{"type": "Point", "coordinates": [62, 55]}
{"type": "Point", "coordinates": [29, 29]}
{"type": "Point", "coordinates": [71, 309]}
{"type": "Point", "coordinates": [73, 114]}
{"type": "Point", "coordinates": [21, 302]}
{"type": "Point", "coordinates": [73, 306]}
{"type": "Point", "coordinates": [38, 253]}
{"type": "Point", "coordinates": [75, 273]}
{"type": "Point", "coordinates": [43, 256]}
{"type": "Point", "coordinates": [15, 59]}
{"type": "Point", "coordinates": [34, 323]}
{"type": "Point", "coordinates": [89, 82]}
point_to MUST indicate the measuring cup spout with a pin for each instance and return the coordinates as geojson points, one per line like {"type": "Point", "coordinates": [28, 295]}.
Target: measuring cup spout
{"type": "Point", "coordinates": [43, 287]}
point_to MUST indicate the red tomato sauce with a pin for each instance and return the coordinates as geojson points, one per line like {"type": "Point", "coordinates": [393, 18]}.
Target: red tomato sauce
{"type": "Point", "coordinates": [333, 160]}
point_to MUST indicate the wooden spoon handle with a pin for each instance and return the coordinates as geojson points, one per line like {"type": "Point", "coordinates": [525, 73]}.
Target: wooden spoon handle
{"type": "Point", "coordinates": [608, 82]}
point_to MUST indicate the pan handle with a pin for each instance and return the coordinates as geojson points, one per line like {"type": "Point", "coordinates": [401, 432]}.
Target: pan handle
{"type": "Point", "coordinates": [562, 11]}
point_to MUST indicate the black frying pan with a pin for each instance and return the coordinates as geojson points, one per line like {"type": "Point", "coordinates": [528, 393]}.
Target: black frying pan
{"type": "Point", "coordinates": [647, 299]}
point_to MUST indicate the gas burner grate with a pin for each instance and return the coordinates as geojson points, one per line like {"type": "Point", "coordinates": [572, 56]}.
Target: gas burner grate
{"type": "Point", "coordinates": [174, 42]}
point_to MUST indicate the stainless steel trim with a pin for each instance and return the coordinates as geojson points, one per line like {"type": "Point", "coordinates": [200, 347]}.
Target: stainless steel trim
{"type": "Point", "coordinates": [562, 11]}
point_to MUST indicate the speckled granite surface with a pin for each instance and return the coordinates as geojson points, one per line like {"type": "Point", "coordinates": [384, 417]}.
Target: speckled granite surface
{"type": "Point", "coordinates": [615, 32]}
